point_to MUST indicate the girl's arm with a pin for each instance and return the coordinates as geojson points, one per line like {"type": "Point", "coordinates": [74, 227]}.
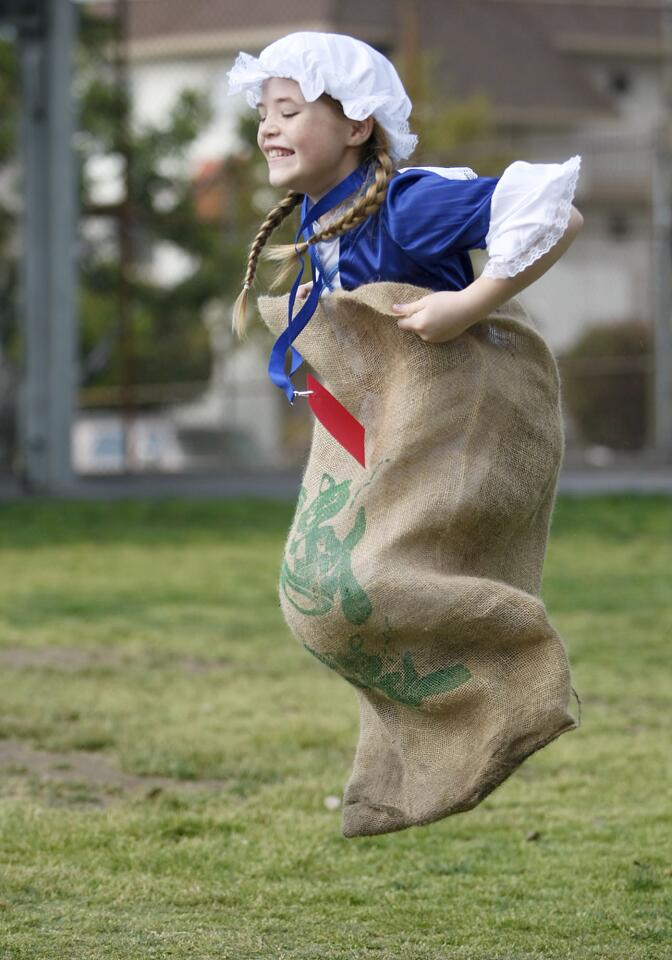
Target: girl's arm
{"type": "Point", "coordinates": [488, 293]}
{"type": "Point", "coordinates": [447, 314]}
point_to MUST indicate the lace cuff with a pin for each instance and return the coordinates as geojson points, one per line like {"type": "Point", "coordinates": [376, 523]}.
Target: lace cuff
{"type": "Point", "coordinates": [530, 209]}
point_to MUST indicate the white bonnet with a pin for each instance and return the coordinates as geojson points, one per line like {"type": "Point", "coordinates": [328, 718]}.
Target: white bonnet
{"type": "Point", "coordinates": [349, 70]}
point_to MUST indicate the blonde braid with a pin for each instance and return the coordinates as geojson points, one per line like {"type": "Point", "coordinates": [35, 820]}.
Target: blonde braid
{"type": "Point", "coordinates": [273, 220]}
{"type": "Point", "coordinates": [365, 205]}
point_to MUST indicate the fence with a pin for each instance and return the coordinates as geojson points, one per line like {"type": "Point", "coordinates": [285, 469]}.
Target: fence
{"type": "Point", "coordinates": [170, 191]}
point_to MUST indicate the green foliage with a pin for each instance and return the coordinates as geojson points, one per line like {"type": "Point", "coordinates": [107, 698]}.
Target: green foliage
{"type": "Point", "coordinates": [168, 341]}
{"type": "Point", "coordinates": [606, 383]}
{"type": "Point", "coordinates": [8, 98]}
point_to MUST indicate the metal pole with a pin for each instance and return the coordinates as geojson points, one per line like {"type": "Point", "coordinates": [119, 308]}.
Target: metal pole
{"type": "Point", "coordinates": [60, 175]}
{"type": "Point", "coordinates": [662, 235]}
{"type": "Point", "coordinates": [47, 296]}
{"type": "Point", "coordinates": [124, 234]}
{"type": "Point", "coordinates": [33, 289]}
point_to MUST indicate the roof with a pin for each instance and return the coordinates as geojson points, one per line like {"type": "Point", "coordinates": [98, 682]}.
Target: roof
{"type": "Point", "coordinates": [527, 56]}
{"type": "Point", "coordinates": [594, 26]}
{"type": "Point", "coordinates": [508, 52]}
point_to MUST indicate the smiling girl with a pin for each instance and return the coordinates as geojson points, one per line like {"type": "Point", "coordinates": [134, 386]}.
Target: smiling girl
{"type": "Point", "coordinates": [413, 564]}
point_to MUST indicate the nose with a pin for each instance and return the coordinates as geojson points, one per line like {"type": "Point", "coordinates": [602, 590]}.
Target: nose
{"type": "Point", "coordinates": [268, 124]}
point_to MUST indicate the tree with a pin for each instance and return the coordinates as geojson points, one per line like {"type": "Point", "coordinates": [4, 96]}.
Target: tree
{"type": "Point", "coordinates": [167, 342]}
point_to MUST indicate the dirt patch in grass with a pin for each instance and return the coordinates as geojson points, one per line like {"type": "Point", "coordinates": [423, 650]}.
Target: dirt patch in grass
{"type": "Point", "coordinates": [72, 659]}
{"type": "Point", "coordinates": [61, 658]}
{"type": "Point", "coordinates": [85, 776]}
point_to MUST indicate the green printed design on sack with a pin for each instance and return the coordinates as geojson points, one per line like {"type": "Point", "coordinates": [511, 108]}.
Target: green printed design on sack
{"type": "Point", "coordinates": [317, 564]}
{"type": "Point", "coordinates": [405, 686]}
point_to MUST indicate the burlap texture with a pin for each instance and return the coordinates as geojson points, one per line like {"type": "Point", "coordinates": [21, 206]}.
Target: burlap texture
{"type": "Point", "coordinates": [418, 578]}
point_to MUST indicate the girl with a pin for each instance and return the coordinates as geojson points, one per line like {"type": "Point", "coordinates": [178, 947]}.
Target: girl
{"type": "Point", "coordinates": [408, 578]}
{"type": "Point", "coordinates": [429, 217]}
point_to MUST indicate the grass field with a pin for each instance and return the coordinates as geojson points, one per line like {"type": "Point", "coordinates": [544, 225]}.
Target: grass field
{"type": "Point", "coordinates": [166, 749]}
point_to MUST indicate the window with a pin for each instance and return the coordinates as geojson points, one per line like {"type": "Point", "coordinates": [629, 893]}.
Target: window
{"type": "Point", "coordinates": [619, 81]}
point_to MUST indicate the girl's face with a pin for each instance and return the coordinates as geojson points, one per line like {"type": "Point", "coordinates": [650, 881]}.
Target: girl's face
{"type": "Point", "coordinates": [318, 145]}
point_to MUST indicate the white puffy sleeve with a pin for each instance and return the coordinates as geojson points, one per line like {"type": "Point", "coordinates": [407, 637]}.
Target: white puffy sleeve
{"type": "Point", "coordinates": [529, 212]}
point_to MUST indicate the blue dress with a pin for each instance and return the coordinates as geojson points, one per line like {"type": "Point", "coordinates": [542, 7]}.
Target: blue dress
{"type": "Point", "coordinates": [432, 217]}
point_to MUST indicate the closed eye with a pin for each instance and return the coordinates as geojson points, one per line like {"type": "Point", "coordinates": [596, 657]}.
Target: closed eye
{"type": "Point", "coordinates": [261, 119]}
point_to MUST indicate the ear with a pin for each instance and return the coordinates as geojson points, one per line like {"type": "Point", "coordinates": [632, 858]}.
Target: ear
{"type": "Point", "coordinates": [360, 131]}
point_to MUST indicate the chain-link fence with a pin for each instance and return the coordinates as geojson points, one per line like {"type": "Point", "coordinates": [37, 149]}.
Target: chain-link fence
{"type": "Point", "coordinates": [170, 190]}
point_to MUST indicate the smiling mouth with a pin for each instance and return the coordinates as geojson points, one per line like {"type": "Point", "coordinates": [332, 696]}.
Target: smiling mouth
{"type": "Point", "coordinates": [281, 156]}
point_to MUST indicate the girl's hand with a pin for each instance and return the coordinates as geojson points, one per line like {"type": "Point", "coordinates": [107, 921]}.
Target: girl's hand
{"type": "Point", "coordinates": [437, 317]}
{"type": "Point", "coordinates": [304, 289]}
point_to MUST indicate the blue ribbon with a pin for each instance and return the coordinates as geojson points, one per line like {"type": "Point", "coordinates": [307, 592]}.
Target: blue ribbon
{"type": "Point", "coordinates": [276, 363]}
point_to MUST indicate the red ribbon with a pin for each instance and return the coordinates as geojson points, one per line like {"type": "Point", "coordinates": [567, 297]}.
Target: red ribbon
{"type": "Point", "coordinates": [334, 417]}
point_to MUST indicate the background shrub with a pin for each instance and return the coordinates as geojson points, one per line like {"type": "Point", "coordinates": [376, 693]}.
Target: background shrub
{"type": "Point", "coordinates": [605, 377]}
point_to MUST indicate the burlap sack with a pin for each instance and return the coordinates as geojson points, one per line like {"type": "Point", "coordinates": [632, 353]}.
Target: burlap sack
{"type": "Point", "coordinates": [417, 578]}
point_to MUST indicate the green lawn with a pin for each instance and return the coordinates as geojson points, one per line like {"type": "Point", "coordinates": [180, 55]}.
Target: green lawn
{"type": "Point", "coordinates": [147, 638]}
